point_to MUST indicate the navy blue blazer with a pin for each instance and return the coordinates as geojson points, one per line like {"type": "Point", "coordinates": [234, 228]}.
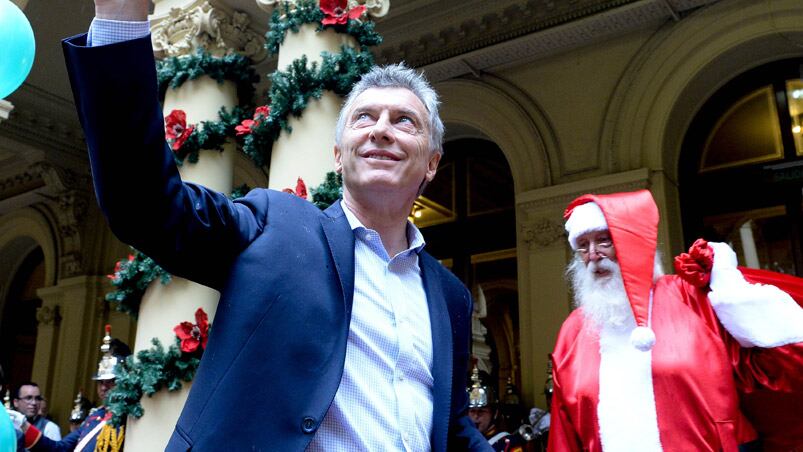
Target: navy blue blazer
{"type": "Point", "coordinates": [285, 271]}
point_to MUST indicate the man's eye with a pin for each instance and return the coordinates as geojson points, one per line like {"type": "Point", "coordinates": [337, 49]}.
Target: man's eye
{"type": "Point", "coordinates": [406, 119]}
{"type": "Point", "coordinates": [362, 119]}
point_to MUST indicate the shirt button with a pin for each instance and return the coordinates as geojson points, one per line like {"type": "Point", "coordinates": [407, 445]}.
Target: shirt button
{"type": "Point", "coordinates": [401, 377]}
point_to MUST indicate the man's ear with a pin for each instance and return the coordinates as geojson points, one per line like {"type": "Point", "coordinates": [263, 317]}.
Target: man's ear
{"type": "Point", "coordinates": [432, 165]}
{"type": "Point", "coordinates": [338, 162]}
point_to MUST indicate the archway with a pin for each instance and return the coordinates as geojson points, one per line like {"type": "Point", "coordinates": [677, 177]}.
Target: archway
{"type": "Point", "coordinates": [19, 324]}
{"type": "Point", "coordinates": [673, 74]}
{"type": "Point", "coordinates": [467, 216]}
{"type": "Point", "coordinates": [741, 169]}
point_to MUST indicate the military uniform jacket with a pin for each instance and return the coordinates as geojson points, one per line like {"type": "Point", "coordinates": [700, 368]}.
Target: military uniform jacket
{"type": "Point", "coordinates": [84, 437]}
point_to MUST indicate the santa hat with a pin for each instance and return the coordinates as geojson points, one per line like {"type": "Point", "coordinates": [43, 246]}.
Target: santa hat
{"type": "Point", "coordinates": [632, 220]}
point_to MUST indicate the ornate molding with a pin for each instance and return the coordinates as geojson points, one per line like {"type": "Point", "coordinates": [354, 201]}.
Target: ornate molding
{"type": "Point", "coordinates": [44, 122]}
{"type": "Point", "coordinates": [465, 42]}
{"type": "Point", "coordinates": [209, 27]}
{"type": "Point", "coordinates": [68, 198]}
{"type": "Point", "coordinates": [48, 315]}
{"type": "Point", "coordinates": [374, 8]}
{"type": "Point", "coordinates": [542, 233]}
{"type": "Point", "coordinates": [544, 201]}
{"type": "Point", "coordinates": [20, 183]}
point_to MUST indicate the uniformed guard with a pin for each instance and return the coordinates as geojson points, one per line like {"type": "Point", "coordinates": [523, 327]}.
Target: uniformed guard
{"type": "Point", "coordinates": [483, 409]}
{"type": "Point", "coordinates": [95, 433]}
{"type": "Point", "coordinates": [80, 411]}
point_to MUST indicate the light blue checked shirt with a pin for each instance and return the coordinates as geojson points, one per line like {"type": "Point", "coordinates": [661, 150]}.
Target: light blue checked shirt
{"type": "Point", "coordinates": [384, 401]}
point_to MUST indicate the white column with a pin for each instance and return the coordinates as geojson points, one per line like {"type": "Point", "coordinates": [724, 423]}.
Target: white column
{"type": "Point", "coordinates": [749, 245]}
{"type": "Point", "coordinates": [307, 152]}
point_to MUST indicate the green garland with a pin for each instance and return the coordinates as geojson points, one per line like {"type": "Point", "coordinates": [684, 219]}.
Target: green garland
{"type": "Point", "coordinates": [239, 192]}
{"type": "Point", "coordinates": [174, 71]}
{"type": "Point", "coordinates": [210, 135]}
{"type": "Point", "coordinates": [289, 18]}
{"type": "Point", "coordinates": [131, 277]}
{"type": "Point", "coordinates": [156, 368]}
{"type": "Point", "coordinates": [292, 89]}
{"type": "Point", "coordinates": [329, 191]}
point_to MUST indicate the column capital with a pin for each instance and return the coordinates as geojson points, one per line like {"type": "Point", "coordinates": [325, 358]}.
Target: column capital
{"type": "Point", "coordinates": [208, 25]}
{"type": "Point", "coordinates": [542, 233]}
{"type": "Point", "coordinates": [374, 8]}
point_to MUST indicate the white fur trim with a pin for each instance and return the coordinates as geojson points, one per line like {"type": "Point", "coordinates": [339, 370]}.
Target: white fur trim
{"type": "Point", "coordinates": [643, 338]}
{"type": "Point", "coordinates": [584, 218]}
{"type": "Point", "coordinates": [756, 315]}
{"type": "Point", "coordinates": [626, 409]}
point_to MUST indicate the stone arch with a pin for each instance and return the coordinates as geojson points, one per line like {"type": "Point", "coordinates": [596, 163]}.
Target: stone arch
{"type": "Point", "coordinates": [21, 233]}
{"type": "Point", "coordinates": [23, 230]}
{"type": "Point", "coordinates": [500, 113]}
{"type": "Point", "coordinates": [681, 66]}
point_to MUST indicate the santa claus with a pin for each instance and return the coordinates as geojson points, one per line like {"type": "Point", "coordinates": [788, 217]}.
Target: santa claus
{"type": "Point", "coordinates": [696, 361]}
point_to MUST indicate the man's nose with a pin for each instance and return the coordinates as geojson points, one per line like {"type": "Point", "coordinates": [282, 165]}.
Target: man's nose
{"type": "Point", "coordinates": [382, 130]}
{"type": "Point", "coordinates": [594, 253]}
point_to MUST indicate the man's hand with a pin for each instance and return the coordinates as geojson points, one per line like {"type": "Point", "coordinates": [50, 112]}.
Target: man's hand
{"type": "Point", "coordinates": [126, 10]}
{"type": "Point", "coordinates": [18, 419]}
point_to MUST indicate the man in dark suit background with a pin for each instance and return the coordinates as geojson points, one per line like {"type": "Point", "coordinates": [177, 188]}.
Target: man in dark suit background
{"type": "Point", "coordinates": [357, 337]}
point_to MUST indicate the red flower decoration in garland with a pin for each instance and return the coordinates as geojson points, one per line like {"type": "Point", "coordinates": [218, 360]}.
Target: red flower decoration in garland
{"type": "Point", "coordinates": [176, 129]}
{"type": "Point", "coordinates": [336, 12]}
{"type": "Point", "coordinates": [193, 335]}
{"type": "Point", "coordinates": [300, 191]}
{"type": "Point", "coordinates": [248, 125]}
{"type": "Point", "coordinates": [118, 267]}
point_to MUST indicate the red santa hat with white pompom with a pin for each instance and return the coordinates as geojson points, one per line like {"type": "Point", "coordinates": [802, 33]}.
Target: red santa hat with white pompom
{"type": "Point", "coordinates": [632, 220]}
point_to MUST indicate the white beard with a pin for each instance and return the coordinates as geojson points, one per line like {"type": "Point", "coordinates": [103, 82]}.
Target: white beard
{"type": "Point", "coordinates": [603, 300]}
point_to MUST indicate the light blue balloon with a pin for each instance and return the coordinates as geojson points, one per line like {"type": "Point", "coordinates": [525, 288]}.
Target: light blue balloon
{"type": "Point", "coordinates": [8, 437]}
{"type": "Point", "coordinates": [17, 47]}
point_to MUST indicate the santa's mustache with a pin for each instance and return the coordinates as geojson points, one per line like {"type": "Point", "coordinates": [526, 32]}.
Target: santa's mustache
{"type": "Point", "coordinates": [603, 264]}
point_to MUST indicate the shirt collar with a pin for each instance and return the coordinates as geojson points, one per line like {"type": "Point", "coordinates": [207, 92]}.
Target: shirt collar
{"type": "Point", "coordinates": [415, 239]}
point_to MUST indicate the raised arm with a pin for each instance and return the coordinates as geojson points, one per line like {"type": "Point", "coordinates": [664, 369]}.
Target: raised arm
{"type": "Point", "coordinates": [190, 230]}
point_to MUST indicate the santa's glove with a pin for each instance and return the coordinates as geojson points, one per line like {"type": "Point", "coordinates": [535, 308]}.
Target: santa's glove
{"type": "Point", "coordinates": [18, 419]}
{"type": "Point", "coordinates": [756, 315]}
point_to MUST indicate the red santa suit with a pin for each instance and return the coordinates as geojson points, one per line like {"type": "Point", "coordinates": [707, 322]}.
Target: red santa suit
{"type": "Point", "coordinates": [717, 338]}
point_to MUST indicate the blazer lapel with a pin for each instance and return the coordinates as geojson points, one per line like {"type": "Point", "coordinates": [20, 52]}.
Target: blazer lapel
{"type": "Point", "coordinates": [441, 325]}
{"type": "Point", "coordinates": [340, 238]}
